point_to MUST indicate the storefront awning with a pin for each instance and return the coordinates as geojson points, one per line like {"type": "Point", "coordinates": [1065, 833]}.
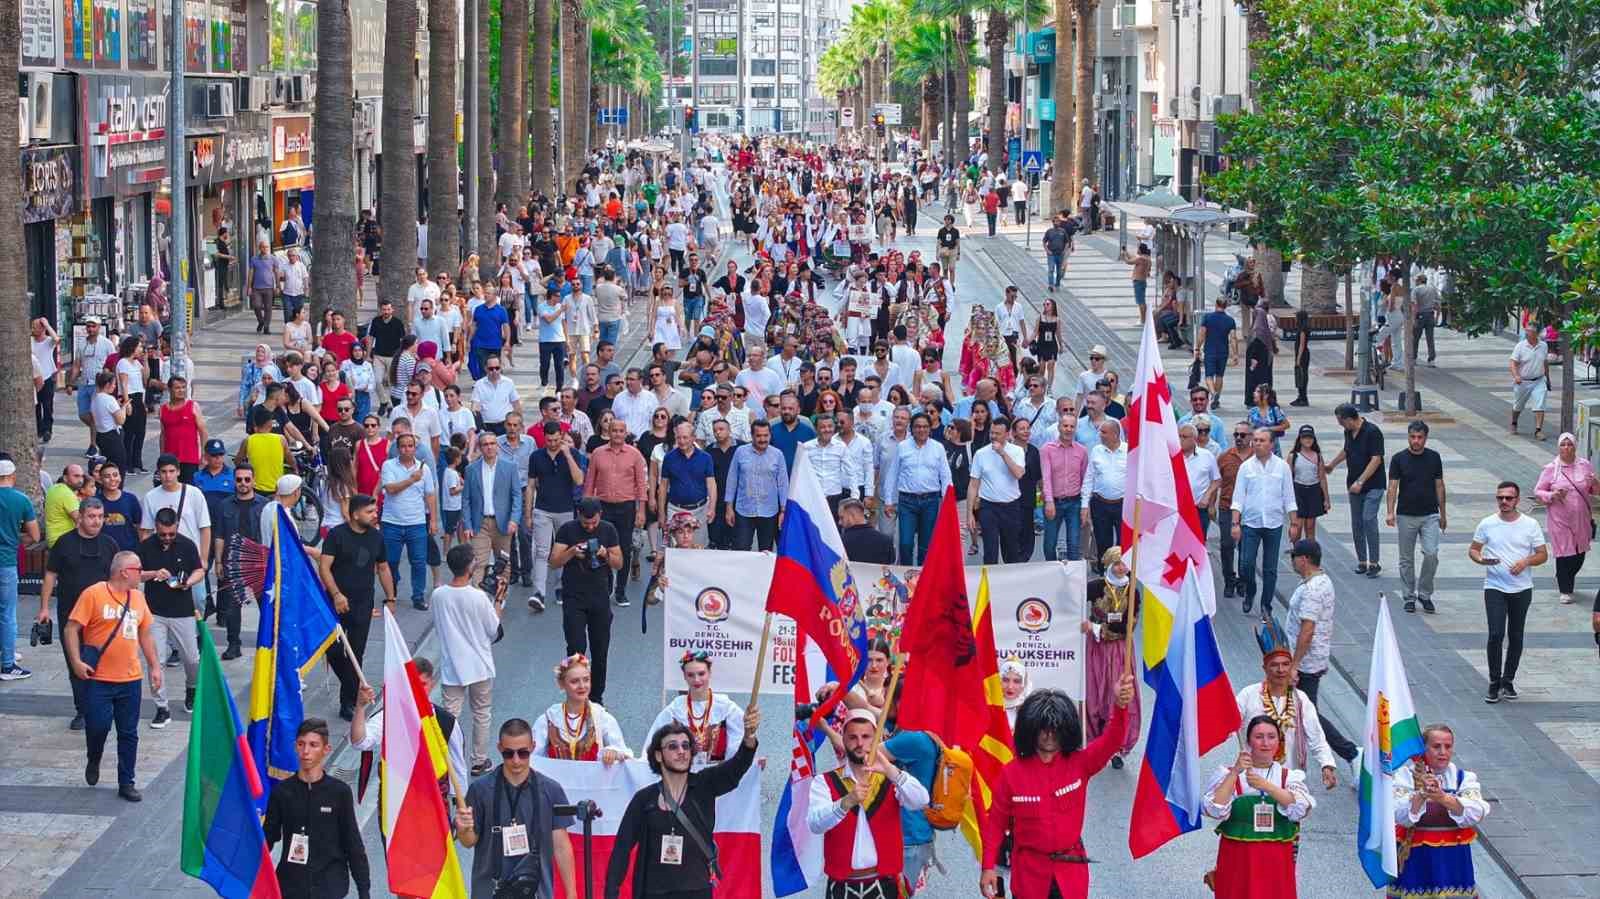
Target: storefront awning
{"type": "Point", "coordinates": [294, 181]}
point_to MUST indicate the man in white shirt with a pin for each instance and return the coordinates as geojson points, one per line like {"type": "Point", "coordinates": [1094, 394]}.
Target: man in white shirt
{"type": "Point", "coordinates": [787, 363]}
{"type": "Point", "coordinates": [634, 405]}
{"type": "Point", "coordinates": [1530, 363]}
{"type": "Point", "coordinates": [424, 421]}
{"type": "Point", "coordinates": [677, 242]}
{"type": "Point", "coordinates": [1089, 381]}
{"type": "Point", "coordinates": [830, 460]}
{"type": "Point", "coordinates": [422, 289]}
{"type": "Point", "coordinates": [1104, 482]}
{"type": "Point", "coordinates": [467, 623]}
{"type": "Point", "coordinates": [1038, 409]}
{"type": "Point", "coordinates": [1263, 497]}
{"type": "Point", "coordinates": [1205, 478]}
{"type": "Point", "coordinates": [905, 356]}
{"type": "Point", "coordinates": [1019, 199]}
{"type": "Point", "coordinates": [1508, 545]}
{"type": "Point", "coordinates": [194, 517]}
{"type": "Point", "coordinates": [863, 460]}
{"type": "Point", "coordinates": [996, 470]}
{"type": "Point", "coordinates": [429, 326]}
{"type": "Point", "coordinates": [1013, 321]}
{"type": "Point", "coordinates": [89, 355]}
{"type": "Point", "coordinates": [738, 418]}
{"type": "Point", "coordinates": [759, 381]}
{"type": "Point", "coordinates": [510, 240]}
{"type": "Point", "coordinates": [495, 396]}
{"type": "Point", "coordinates": [294, 278]}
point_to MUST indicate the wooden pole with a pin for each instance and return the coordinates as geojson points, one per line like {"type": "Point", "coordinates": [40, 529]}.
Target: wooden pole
{"type": "Point", "coordinates": [1133, 591]}
{"type": "Point", "coordinates": [351, 652]}
{"type": "Point", "coordinates": [761, 658]}
{"type": "Point", "coordinates": [883, 713]}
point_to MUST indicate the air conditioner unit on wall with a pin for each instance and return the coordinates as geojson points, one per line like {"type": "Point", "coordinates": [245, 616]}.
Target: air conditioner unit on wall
{"type": "Point", "coordinates": [280, 89]}
{"type": "Point", "coordinates": [219, 100]}
{"type": "Point", "coordinates": [261, 88]}
{"type": "Point", "coordinates": [22, 121]}
{"type": "Point", "coordinates": [1225, 104]}
{"type": "Point", "coordinates": [41, 105]}
{"type": "Point", "coordinates": [1173, 106]}
{"type": "Point", "coordinates": [297, 88]}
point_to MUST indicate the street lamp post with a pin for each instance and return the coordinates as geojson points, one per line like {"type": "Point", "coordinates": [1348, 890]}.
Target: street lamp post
{"type": "Point", "coordinates": [177, 172]}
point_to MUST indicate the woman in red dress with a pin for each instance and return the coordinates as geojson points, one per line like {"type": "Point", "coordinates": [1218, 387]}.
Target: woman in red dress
{"type": "Point", "coordinates": [576, 728]}
{"type": "Point", "coordinates": [1261, 803]}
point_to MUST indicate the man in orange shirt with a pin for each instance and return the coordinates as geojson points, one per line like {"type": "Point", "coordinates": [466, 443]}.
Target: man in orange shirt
{"type": "Point", "coordinates": [112, 623]}
{"type": "Point", "coordinates": [616, 477]}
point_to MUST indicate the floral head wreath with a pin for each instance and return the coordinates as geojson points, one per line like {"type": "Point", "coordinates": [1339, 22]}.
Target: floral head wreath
{"type": "Point", "coordinates": [697, 655]}
{"type": "Point", "coordinates": [569, 663]}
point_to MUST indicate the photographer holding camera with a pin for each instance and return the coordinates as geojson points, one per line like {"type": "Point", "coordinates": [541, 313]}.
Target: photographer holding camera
{"type": "Point", "coordinates": [588, 552]}
{"type": "Point", "coordinates": [172, 564]}
{"type": "Point", "coordinates": [512, 811]}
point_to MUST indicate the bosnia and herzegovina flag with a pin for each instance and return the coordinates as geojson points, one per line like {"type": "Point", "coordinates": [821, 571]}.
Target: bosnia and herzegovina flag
{"type": "Point", "coordinates": [223, 844]}
{"type": "Point", "coordinates": [1393, 739]}
{"type": "Point", "coordinates": [811, 582]}
{"type": "Point", "coordinates": [297, 627]}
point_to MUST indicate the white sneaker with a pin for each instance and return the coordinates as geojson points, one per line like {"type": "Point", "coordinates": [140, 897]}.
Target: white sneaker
{"type": "Point", "coordinates": [1566, 599]}
{"type": "Point", "coordinates": [1355, 769]}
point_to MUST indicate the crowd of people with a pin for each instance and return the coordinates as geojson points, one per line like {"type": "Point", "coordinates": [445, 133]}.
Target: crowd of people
{"type": "Point", "coordinates": [800, 322]}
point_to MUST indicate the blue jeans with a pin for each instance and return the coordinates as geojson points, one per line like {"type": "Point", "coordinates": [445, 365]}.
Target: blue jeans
{"type": "Point", "coordinates": [1364, 524]}
{"type": "Point", "coordinates": [1063, 534]}
{"type": "Point", "coordinates": [8, 616]}
{"type": "Point", "coordinates": [1138, 292]}
{"type": "Point", "coordinates": [105, 704]}
{"type": "Point", "coordinates": [291, 305]}
{"type": "Point", "coordinates": [1053, 268]}
{"type": "Point", "coordinates": [917, 514]}
{"type": "Point", "coordinates": [363, 402]}
{"type": "Point", "coordinates": [1266, 542]}
{"type": "Point", "coordinates": [413, 539]}
{"type": "Point", "coordinates": [610, 331]}
{"type": "Point", "coordinates": [530, 307]}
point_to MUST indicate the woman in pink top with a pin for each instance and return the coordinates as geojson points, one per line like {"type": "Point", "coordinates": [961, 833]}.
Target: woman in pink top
{"type": "Point", "coordinates": [183, 428]}
{"type": "Point", "coordinates": [1566, 487]}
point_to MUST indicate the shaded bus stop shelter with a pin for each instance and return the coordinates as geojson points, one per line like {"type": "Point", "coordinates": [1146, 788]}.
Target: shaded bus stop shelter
{"type": "Point", "coordinates": [1178, 241]}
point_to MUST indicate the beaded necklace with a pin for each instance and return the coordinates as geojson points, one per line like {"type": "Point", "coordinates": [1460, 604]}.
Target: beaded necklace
{"type": "Point", "coordinates": [1285, 719]}
{"type": "Point", "coordinates": [572, 728]}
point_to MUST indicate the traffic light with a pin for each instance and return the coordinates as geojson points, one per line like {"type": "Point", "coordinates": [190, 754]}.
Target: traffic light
{"type": "Point", "coordinates": [690, 123]}
{"type": "Point", "coordinates": [877, 121]}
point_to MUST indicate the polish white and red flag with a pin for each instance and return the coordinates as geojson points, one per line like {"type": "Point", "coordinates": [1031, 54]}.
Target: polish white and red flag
{"type": "Point", "coordinates": [738, 833]}
{"type": "Point", "coordinates": [1158, 509]}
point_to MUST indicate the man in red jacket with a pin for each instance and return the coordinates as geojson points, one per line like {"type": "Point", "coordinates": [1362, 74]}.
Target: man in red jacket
{"type": "Point", "coordinates": [1040, 797]}
{"type": "Point", "coordinates": [863, 792]}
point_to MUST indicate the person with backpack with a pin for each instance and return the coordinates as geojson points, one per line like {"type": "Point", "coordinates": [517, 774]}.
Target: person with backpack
{"type": "Point", "coordinates": [922, 755]}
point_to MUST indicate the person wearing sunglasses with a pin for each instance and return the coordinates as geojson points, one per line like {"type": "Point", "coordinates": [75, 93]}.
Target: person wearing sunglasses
{"type": "Point", "coordinates": [511, 810]}
{"type": "Point", "coordinates": [1228, 462]}
{"type": "Point", "coordinates": [1508, 544]}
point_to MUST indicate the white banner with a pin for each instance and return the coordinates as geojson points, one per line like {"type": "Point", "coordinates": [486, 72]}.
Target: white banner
{"type": "Point", "coordinates": [716, 601]}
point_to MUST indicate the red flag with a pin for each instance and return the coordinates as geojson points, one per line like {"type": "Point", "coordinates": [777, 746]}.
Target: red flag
{"type": "Point", "coordinates": [943, 684]}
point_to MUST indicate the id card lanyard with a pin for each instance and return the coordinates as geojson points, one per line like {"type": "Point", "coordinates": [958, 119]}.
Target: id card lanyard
{"type": "Point", "coordinates": [513, 836]}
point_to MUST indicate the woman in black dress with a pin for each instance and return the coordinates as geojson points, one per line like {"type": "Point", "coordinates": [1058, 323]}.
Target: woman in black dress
{"type": "Point", "coordinates": [1047, 343]}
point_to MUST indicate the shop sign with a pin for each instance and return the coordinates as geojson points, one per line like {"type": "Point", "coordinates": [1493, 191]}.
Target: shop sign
{"type": "Point", "coordinates": [134, 117]}
{"type": "Point", "coordinates": [49, 183]}
{"type": "Point", "coordinates": [291, 143]}
{"type": "Point", "coordinates": [245, 153]}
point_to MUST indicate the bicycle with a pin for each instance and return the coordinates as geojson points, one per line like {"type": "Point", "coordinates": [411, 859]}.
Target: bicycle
{"type": "Point", "coordinates": [308, 513]}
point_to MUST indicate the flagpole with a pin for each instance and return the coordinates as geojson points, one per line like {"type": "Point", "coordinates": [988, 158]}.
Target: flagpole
{"type": "Point", "coordinates": [761, 658]}
{"type": "Point", "coordinates": [888, 700]}
{"type": "Point", "coordinates": [1133, 590]}
{"type": "Point", "coordinates": [350, 652]}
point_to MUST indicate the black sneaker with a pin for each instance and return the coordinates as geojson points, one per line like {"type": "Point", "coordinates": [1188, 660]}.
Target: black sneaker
{"type": "Point", "coordinates": [77, 723]}
{"type": "Point", "coordinates": [1427, 605]}
{"type": "Point", "coordinates": [623, 602]}
{"type": "Point", "coordinates": [536, 602]}
{"type": "Point", "coordinates": [1411, 604]}
{"type": "Point", "coordinates": [172, 659]}
{"type": "Point", "coordinates": [188, 700]}
{"type": "Point", "coordinates": [1493, 695]}
{"type": "Point", "coordinates": [347, 712]}
{"type": "Point", "coordinates": [1374, 569]}
{"type": "Point", "coordinates": [232, 652]}
{"type": "Point", "coordinates": [1116, 762]}
{"type": "Point", "coordinates": [130, 793]}
{"type": "Point", "coordinates": [1507, 691]}
{"type": "Point", "coordinates": [161, 718]}
{"type": "Point", "coordinates": [1249, 603]}
{"type": "Point", "coordinates": [91, 772]}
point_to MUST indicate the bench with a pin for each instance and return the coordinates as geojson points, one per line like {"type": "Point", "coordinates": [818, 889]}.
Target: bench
{"type": "Point", "coordinates": [1323, 326]}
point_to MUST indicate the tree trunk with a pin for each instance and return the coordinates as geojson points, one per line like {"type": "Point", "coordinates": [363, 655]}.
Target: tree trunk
{"type": "Point", "coordinates": [574, 93]}
{"type": "Point", "coordinates": [333, 278]}
{"type": "Point", "coordinates": [1084, 56]}
{"type": "Point", "coordinates": [1063, 190]}
{"type": "Point", "coordinates": [1408, 310]}
{"type": "Point", "coordinates": [512, 142]}
{"type": "Point", "coordinates": [483, 228]}
{"type": "Point", "coordinates": [539, 98]}
{"type": "Point", "coordinates": [966, 30]}
{"type": "Point", "coordinates": [929, 117]}
{"type": "Point", "coordinates": [995, 34]}
{"type": "Point", "coordinates": [397, 193]}
{"type": "Point", "coordinates": [1351, 320]}
{"type": "Point", "coordinates": [17, 432]}
{"type": "Point", "coordinates": [1269, 261]}
{"type": "Point", "coordinates": [1569, 374]}
{"type": "Point", "coordinates": [1319, 291]}
{"type": "Point", "coordinates": [444, 233]}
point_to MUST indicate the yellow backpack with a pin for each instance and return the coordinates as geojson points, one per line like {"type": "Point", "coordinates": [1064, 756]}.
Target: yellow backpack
{"type": "Point", "coordinates": [951, 790]}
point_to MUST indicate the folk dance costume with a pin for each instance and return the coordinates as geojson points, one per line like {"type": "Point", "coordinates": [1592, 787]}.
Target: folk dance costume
{"type": "Point", "coordinates": [1105, 655]}
{"type": "Point", "coordinates": [1303, 742]}
{"type": "Point", "coordinates": [558, 734]}
{"type": "Point", "coordinates": [1439, 861]}
{"type": "Point", "coordinates": [1041, 805]}
{"type": "Point", "coordinates": [863, 848]}
{"type": "Point", "coordinates": [1255, 857]}
{"type": "Point", "coordinates": [715, 726]}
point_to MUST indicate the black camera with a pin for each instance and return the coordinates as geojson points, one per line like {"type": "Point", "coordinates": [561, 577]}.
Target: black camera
{"type": "Point", "coordinates": [41, 634]}
{"type": "Point", "coordinates": [501, 561]}
{"type": "Point", "coordinates": [591, 550]}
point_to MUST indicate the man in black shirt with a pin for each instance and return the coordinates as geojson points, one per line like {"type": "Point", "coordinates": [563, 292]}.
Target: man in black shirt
{"type": "Point", "coordinates": [692, 280]}
{"type": "Point", "coordinates": [1363, 451]}
{"type": "Point", "coordinates": [314, 816]}
{"type": "Point", "coordinates": [384, 334]}
{"type": "Point", "coordinates": [239, 514]}
{"type": "Point", "coordinates": [80, 558]}
{"type": "Point", "coordinates": [1415, 502]}
{"type": "Point", "coordinates": [718, 534]}
{"type": "Point", "coordinates": [172, 566]}
{"type": "Point", "coordinates": [730, 286]}
{"type": "Point", "coordinates": [1028, 485]}
{"type": "Point", "coordinates": [588, 551]}
{"type": "Point", "coordinates": [553, 479]}
{"type": "Point", "coordinates": [949, 247]}
{"type": "Point", "coordinates": [670, 860]}
{"type": "Point", "coordinates": [349, 562]}
{"type": "Point", "coordinates": [511, 810]}
{"type": "Point", "coordinates": [862, 541]}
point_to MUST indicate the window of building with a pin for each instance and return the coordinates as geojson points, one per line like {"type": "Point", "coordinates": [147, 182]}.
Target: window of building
{"type": "Point", "coordinates": [791, 20]}
{"type": "Point", "coordinates": [791, 43]}
{"type": "Point", "coordinates": [789, 91]}
{"type": "Point", "coordinates": [762, 20]}
{"type": "Point", "coordinates": [763, 68]}
{"type": "Point", "coordinates": [761, 91]}
{"type": "Point", "coordinates": [716, 94]}
{"type": "Point", "coordinates": [790, 67]}
{"type": "Point", "coordinates": [713, 65]}
{"type": "Point", "coordinates": [763, 46]}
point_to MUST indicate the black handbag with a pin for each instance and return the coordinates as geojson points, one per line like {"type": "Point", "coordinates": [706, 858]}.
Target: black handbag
{"type": "Point", "coordinates": [90, 655]}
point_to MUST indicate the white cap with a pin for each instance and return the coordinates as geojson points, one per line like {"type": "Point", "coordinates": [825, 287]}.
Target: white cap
{"type": "Point", "coordinates": [7, 468]}
{"type": "Point", "coordinates": [288, 484]}
{"type": "Point", "coordinates": [1098, 349]}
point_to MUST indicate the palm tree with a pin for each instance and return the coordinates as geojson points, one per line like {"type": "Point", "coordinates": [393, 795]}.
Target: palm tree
{"type": "Point", "coordinates": [17, 433]}
{"type": "Point", "coordinates": [397, 204]}
{"type": "Point", "coordinates": [996, 36]}
{"type": "Point", "coordinates": [1084, 53]}
{"type": "Point", "coordinates": [444, 238]}
{"type": "Point", "coordinates": [512, 141]}
{"type": "Point", "coordinates": [333, 279]}
{"type": "Point", "coordinates": [1062, 186]}
{"type": "Point", "coordinates": [922, 51]}
{"type": "Point", "coordinates": [574, 91]}
{"type": "Point", "coordinates": [484, 242]}
{"type": "Point", "coordinates": [957, 16]}
{"type": "Point", "coordinates": [539, 96]}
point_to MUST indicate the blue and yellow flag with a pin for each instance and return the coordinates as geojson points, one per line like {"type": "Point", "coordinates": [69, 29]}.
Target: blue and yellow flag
{"type": "Point", "coordinates": [297, 627]}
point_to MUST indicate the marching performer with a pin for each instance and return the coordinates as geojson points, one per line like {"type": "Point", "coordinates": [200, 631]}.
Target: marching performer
{"type": "Point", "coordinates": [864, 792]}
{"type": "Point", "coordinates": [714, 722]}
{"type": "Point", "coordinates": [1436, 822]}
{"type": "Point", "coordinates": [1046, 783]}
{"type": "Point", "coordinates": [1112, 603]}
{"type": "Point", "coordinates": [1261, 803]}
{"type": "Point", "coordinates": [1277, 698]}
{"type": "Point", "coordinates": [576, 728]}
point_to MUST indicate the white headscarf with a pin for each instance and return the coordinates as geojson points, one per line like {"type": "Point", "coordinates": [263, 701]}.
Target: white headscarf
{"type": "Point", "coordinates": [1013, 666]}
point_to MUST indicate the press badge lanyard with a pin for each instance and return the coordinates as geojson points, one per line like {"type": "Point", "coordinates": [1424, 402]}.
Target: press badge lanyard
{"type": "Point", "coordinates": [300, 843]}
{"type": "Point", "coordinates": [513, 836]}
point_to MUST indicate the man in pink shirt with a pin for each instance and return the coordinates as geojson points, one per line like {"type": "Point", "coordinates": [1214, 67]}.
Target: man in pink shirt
{"type": "Point", "coordinates": [1063, 461]}
{"type": "Point", "coordinates": [616, 477]}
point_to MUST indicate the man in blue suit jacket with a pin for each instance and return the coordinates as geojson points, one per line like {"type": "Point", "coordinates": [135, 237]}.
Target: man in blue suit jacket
{"type": "Point", "coordinates": [490, 511]}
